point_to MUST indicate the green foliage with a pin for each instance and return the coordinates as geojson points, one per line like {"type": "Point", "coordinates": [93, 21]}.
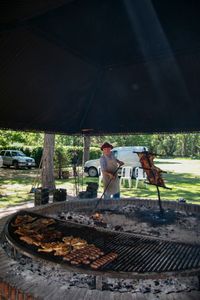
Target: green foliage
{"type": "Point", "coordinates": [182, 145]}
{"type": "Point", "coordinates": [64, 154]}
{"type": "Point", "coordinates": [95, 152]}
{"type": "Point", "coordinates": [9, 138]}
{"type": "Point", "coordinates": [37, 154]}
{"type": "Point", "coordinates": [167, 145]}
{"type": "Point", "coordinates": [62, 157]}
{"type": "Point", "coordinates": [164, 145]}
{"type": "Point", "coordinates": [63, 140]}
{"type": "Point", "coordinates": [123, 140]}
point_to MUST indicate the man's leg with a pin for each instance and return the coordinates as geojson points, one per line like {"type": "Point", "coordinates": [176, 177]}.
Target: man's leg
{"type": "Point", "coordinates": [107, 196]}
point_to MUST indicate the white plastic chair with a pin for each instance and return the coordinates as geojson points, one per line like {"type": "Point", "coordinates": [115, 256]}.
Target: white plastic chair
{"type": "Point", "coordinates": [126, 174]}
{"type": "Point", "coordinates": [100, 175]}
{"type": "Point", "coordinates": [139, 175]}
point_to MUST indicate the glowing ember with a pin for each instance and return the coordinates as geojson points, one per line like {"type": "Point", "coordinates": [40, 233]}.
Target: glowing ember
{"type": "Point", "coordinates": [97, 216]}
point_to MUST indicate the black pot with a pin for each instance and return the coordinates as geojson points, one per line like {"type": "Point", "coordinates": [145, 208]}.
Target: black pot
{"type": "Point", "coordinates": [41, 196]}
{"type": "Point", "coordinates": [59, 195]}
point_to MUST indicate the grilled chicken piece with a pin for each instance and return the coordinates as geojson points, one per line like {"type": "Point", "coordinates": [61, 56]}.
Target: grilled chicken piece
{"type": "Point", "coordinates": [80, 245]}
{"type": "Point", "coordinates": [78, 241]}
{"type": "Point", "coordinates": [51, 244]}
{"type": "Point", "coordinates": [54, 246]}
{"type": "Point", "coordinates": [47, 221]}
{"type": "Point", "coordinates": [67, 239]}
{"type": "Point", "coordinates": [62, 252]}
{"type": "Point", "coordinates": [39, 223]}
{"type": "Point", "coordinates": [22, 231]}
{"type": "Point", "coordinates": [29, 240]}
{"type": "Point", "coordinates": [22, 219]}
{"type": "Point", "coordinates": [47, 250]}
{"type": "Point", "coordinates": [51, 235]}
{"type": "Point", "coordinates": [38, 236]}
{"type": "Point", "coordinates": [41, 235]}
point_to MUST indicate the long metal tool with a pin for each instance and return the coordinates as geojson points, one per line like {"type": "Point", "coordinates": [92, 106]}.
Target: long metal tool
{"type": "Point", "coordinates": [36, 181]}
{"type": "Point", "coordinates": [98, 201]}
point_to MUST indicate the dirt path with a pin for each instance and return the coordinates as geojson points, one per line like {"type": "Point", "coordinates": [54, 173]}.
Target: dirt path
{"type": "Point", "coordinates": [11, 210]}
{"type": "Point", "coordinates": [179, 165]}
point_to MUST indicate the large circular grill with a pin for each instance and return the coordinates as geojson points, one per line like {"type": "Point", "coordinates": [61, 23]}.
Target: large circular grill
{"type": "Point", "coordinates": [138, 256]}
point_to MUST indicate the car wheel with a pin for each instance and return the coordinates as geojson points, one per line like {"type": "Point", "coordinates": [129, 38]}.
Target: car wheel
{"type": "Point", "coordinates": [92, 172]}
{"type": "Point", "coordinates": [16, 165]}
{"type": "Point", "coordinates": [29, 168]}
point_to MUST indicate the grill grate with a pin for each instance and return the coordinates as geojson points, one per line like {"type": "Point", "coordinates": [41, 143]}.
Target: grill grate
{"type": "Point", "coordinates": [147, 255]}
{"type": "Point", "coordinates": [135, 253]}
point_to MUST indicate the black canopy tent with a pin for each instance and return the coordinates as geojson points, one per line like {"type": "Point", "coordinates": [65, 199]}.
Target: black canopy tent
{"type": "Point", "coordinates": [110, 66]}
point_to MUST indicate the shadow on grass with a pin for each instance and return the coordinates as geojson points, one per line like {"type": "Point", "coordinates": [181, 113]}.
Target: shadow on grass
{"type": "Point", "coordinates": [181, 178]}
{"type": "Point", "coordinates": [10, 200]}
{"type": "Point", "coordinates": [182, 186]}
{"type": "Point", "coordinates": [12, 176]}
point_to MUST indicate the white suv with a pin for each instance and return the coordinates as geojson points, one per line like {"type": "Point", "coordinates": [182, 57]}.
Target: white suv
{"type": "Point", "coordinates": [16, 159]}
{"type": "Point", "coordinates": [126, 154]}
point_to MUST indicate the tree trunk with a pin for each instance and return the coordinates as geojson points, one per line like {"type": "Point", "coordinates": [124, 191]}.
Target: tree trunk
{"type": "Point", "coordinates": [48, 180]}
{"type": "Point", "coordinates": [86, 148]}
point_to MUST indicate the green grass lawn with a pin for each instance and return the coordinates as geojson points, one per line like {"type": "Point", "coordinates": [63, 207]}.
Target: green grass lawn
{"type": "Point", "coordinates": [15, 186]}
{"type": "Point", "coordinates": [182, 186]}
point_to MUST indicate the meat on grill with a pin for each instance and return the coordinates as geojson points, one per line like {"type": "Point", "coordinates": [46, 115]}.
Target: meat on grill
{"type": "Point", "coordinates": [104, 260]}
{"type": "Point", "coordinates": [154, 175]}
{"type": "Point", "coordinates": [72, 249]}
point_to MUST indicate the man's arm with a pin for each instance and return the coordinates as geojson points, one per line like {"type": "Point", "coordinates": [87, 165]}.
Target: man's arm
{"type": "Point", "coordinates": [121, 163]}
{"type": "Point", "coordinates": [110, 175]}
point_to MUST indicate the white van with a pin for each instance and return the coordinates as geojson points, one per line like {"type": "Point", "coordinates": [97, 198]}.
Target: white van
{"type": "Point", "coordinates": [125, 154]}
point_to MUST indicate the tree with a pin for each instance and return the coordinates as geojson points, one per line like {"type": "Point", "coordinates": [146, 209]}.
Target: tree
{"type": "Point", "coordinates": [86, 148]}
{"type": "Point", "coordinates": [164, 144]}
{"type": "Point", "coordinates": [48, 180]}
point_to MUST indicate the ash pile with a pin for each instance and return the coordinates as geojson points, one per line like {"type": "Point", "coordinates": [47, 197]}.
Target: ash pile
{"type": "Point", "coordinates": [174, 225]}
{"type": "Point", "coordinates": [95, 220]}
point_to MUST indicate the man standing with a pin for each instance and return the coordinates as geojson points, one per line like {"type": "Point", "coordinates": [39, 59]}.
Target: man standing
{"type": "Point", "coordinates": [109, 166]}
